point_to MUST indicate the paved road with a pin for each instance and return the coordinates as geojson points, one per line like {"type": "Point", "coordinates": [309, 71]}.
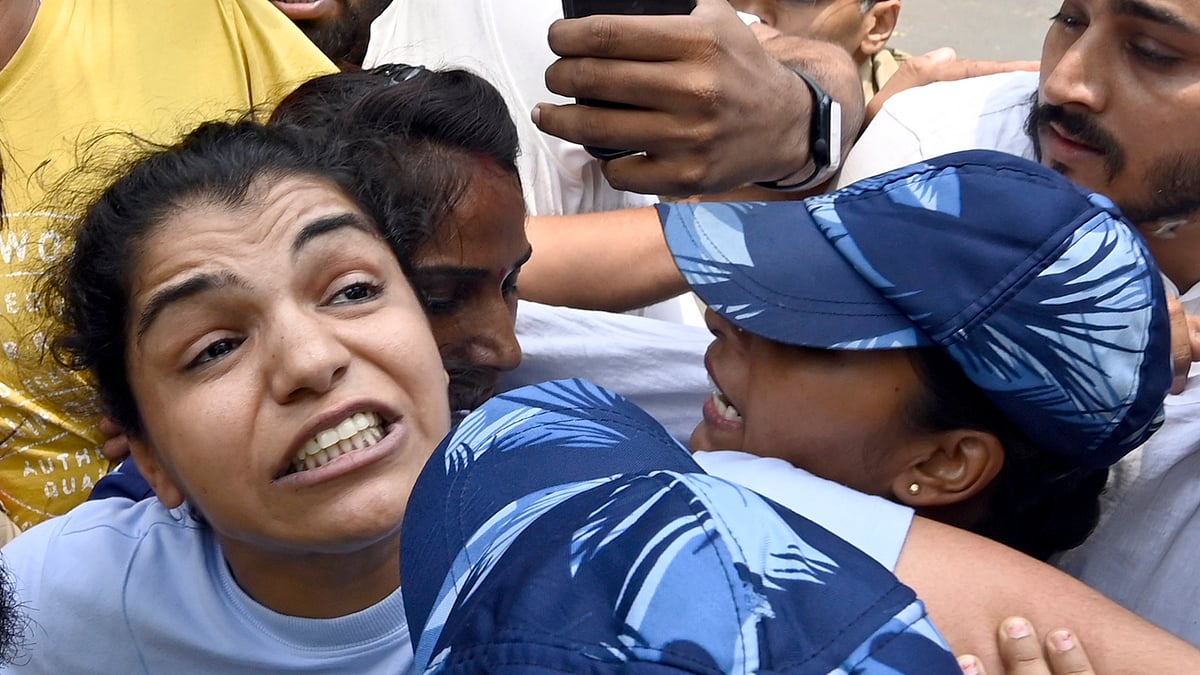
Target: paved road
{"type": "Point", "coordinates": [981, 29]}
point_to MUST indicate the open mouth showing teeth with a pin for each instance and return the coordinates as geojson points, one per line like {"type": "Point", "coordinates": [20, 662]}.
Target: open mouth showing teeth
{"type": "Point", "coordinates": [358, 431]}
{"type": "Point", "coordinates": [724, 408]}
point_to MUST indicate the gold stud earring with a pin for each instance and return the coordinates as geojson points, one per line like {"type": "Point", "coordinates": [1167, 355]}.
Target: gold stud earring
{"type": "Point", "coordinates": [914, 489]}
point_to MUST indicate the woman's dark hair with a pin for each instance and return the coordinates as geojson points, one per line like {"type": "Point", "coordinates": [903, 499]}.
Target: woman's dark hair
{"type": "Point", "coordinates": [1039, 503]}
{"type": "Point", "coordinates": [218, 164]}
{"type": "Point", "coordinates": [416, 135]}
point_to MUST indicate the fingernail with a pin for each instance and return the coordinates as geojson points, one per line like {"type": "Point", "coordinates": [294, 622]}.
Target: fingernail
{"type": "Point", "coordinates": [1063, 640]}
{"type": "Point", "coordinates": [969, 665]}
{"type": "Point", "coordinates": [942, 54]}
{"type": "Point", "coordinates": [536, 114]}
{"type": "Point", "coordinates": [1017, 629]}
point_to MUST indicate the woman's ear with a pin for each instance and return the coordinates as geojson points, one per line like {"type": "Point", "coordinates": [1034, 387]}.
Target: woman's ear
{"type": "Point", "coordinates": [155, 473]}
{"type": "Point", "coordinates": [878, 25]}
{"type": "Point", "coordinates": [958, 465]}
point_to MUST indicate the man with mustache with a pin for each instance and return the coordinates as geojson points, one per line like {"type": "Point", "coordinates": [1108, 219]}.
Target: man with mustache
{"type": "Point", "coordinates": [1113, 109]}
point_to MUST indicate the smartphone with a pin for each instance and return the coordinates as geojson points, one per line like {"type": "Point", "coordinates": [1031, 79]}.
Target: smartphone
{"type": "Point", "coordinates": [573, 9]}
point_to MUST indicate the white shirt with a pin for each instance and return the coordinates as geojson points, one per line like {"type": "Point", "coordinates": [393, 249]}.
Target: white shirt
{"type": "Point", "coordinates": [937, 119]}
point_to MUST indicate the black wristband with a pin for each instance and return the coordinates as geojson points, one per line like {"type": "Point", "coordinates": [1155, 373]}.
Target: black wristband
{"type": "Point", "coordinates": [824, 138]}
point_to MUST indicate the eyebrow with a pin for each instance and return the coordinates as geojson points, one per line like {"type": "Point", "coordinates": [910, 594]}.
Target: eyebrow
{"type": "Point", "coordinates": [464, 272]}
{"type": "Point", "coordinates": [188, 288]}
{"type": "Point", "coordinates": [204, 283]}
{"type": "Point", "coordinates": [1139, 9]}
{"type": "Point", "coordinates": [327, 224]}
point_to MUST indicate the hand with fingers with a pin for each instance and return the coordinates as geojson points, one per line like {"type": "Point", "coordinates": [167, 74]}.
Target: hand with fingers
{"type": "Point", "coordinates": [1185, 342]}
{"type": "Point", "coordinates": [712, 107]}
{"type": "Point", "coordinates": [1022, 654]}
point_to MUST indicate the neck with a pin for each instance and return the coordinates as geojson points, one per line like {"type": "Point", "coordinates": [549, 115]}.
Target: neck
{"type": "Point", "coordinates": [316, 585]}
{"type": "Point", "coordinates": [16, 18]}
{"type": "Point", "coordinates": [1176, 250]}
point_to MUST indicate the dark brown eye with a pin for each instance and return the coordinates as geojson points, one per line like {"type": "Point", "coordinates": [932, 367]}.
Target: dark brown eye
{"type": "Point", "coordinates": [356, 292]}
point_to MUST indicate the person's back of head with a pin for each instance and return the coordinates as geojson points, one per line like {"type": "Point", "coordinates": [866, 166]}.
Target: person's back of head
{"type": "Point", "coordinates": [561, 529]}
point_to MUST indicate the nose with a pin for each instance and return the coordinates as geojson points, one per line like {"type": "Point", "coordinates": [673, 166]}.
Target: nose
{"type": "Point", "coordinates": [1068, 80]}
{"type": "Point", "coordinates": [494, 342]}
{"type": "Point", "coordinates": [308, 358]}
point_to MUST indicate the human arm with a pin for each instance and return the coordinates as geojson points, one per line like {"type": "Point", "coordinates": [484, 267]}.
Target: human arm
{"type": "Point", "coordinates": [715, 108]}
{"type": "Point", "coordinates": [939, 65]}
{"type": "Point", "coordinates": [971, 584]}
{"type": "Point", "coordinates": [610, 260]}
{"type": "Point", "coordinates": [707, 126]}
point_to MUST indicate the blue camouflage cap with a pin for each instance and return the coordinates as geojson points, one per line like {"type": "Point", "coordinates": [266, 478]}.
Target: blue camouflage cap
{"type": "Point", "coordinates": [560, 529]}
{"type": "Point", "coordinates": [1039, 290]}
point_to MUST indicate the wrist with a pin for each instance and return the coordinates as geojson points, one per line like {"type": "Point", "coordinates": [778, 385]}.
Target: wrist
{"type": "Point", "coordinates": [824, 142]}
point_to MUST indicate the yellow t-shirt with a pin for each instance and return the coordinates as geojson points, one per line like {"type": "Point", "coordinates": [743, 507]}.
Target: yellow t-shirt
{"type": "Point", "coordinates": [156, 68]}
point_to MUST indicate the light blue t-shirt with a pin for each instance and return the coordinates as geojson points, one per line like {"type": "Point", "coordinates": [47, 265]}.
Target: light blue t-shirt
{"type": "Point", "coordinates": [121, 587]}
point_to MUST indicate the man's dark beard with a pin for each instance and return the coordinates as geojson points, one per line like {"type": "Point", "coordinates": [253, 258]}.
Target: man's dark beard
{"type": "Point", "coordinates": [1173, 191]}
{"type": "Point", "coordinates": [1172, 183]}
{"type": "Point", "coordinates": [344, 38]}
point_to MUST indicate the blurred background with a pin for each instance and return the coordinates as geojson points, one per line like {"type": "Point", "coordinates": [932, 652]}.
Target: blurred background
{"type": "Point", "coordinates": [977, 29]}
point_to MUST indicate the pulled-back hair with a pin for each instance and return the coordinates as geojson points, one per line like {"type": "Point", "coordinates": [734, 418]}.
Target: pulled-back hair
{"type": "Point", "coordinates": [417, 137]}
{"type": "Point", "coordinates": [216, 164]}
{"type": "Point", "coordinates": [1039, 503]}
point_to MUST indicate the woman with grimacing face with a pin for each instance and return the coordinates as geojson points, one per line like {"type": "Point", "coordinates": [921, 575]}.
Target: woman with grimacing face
{"type": "Point", "coordinates": [419, 138]}
{"type": "Point", "coordinates": [254, 334]}
{"type": "Point", "coordinates": [436, 154]}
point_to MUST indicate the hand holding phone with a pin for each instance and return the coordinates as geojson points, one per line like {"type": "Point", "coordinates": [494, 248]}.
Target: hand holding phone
{"type": "Point", "coordinates": [574, 9]}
